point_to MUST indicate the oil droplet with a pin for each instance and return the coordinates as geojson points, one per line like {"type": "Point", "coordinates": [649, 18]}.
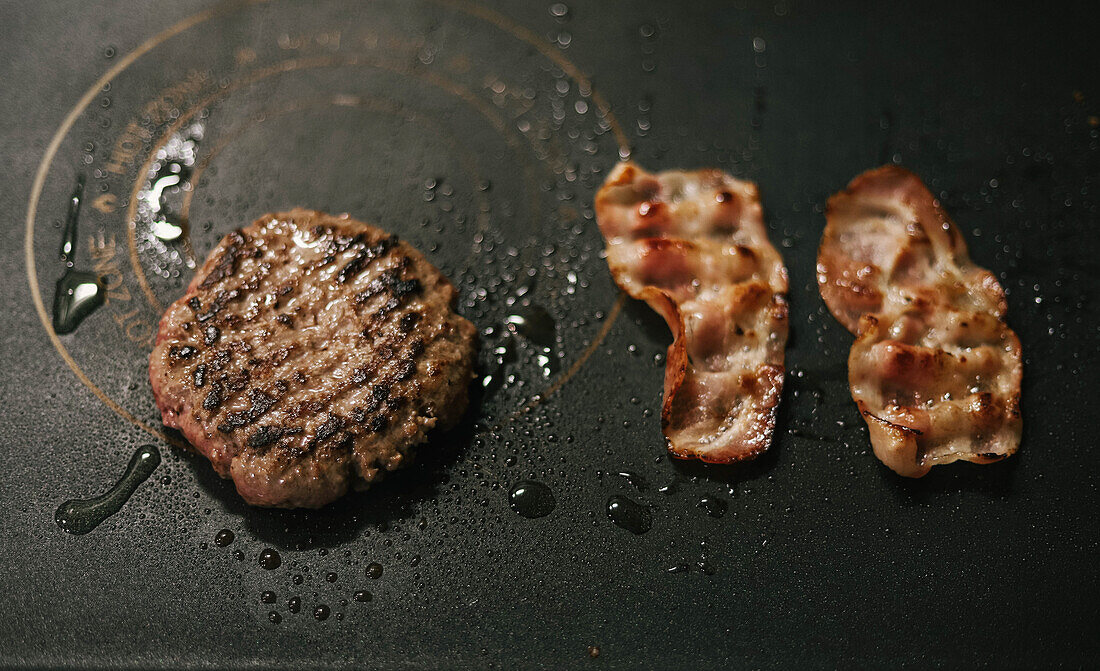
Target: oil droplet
{"type": "Point", "coordinates": [630, 515]}
{"type": "Point", "coordinates": [321, 612]}
{"type": "Point", "coordinates": [593, 651]}
{"type": "Point", "coordinates": [532, 499]}
{"type": "Point", "coordinates": [505, 354]}
{"type": "Point", "coordinates": [79, 516]}
{"type": "Point", "coordinates": [363, 596]}
{"type": "Point", "coordinates": [223, 538]}
{"type": "Point", "coordinates": [633, 479]}
{"type": "Point", "coordinates": [274, 617]}
{"type": "Point", "coordinates": [164, 234]}
{"type": "Point", "coordinates": [267, 597]}
{"type": "Point", "coordinates": [714, 506]}
{"type": "Point", "coordinates": [331, 577]}
{"type": "Point", "coordinates": [528, 324]}
{"type": "Point", "coordinates": [534, 323]}
{"type": "Point", "coordinates": [270, 559]}
{"type": "Point", "coordinates": [294, 604]}
{"type": "Point", "coordinates": [77, 293]}
{"type": "Point", "coordinates": [374, 570]}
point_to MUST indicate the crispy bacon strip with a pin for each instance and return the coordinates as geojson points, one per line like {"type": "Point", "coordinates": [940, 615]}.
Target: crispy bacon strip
{"type": "Point", "coordinates": [889, 244]}
{"type": "Point", "coordinates": [934, 370]}
{"type": "Point", "coordinates": [693, 246]}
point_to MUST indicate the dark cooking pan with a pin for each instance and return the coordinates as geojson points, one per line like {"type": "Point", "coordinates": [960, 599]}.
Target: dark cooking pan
{"type": "Point", "coordinates": [479, 133]}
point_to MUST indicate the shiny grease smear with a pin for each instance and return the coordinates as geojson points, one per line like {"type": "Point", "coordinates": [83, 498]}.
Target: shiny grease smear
{"type": "Point", "coordinates": [78, 293]}
{"type": "Point", "coordinates": [79, 516]}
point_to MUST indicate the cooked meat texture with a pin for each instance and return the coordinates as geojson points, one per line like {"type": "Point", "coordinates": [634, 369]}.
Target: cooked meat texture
{"type": "Point", "coordinates": [310, 354]}
{"type": "Point", "coordinates": [693, 246]}
{"type": "Point", "coordinates": [937, 386]}
{"type": "Point", "coordinates": [934, 370]}
{"type": "Point", "coordinates": [888, 244]}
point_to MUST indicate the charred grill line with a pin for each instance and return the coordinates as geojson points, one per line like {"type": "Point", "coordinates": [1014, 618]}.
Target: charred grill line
{"type": "Point", "coordinates": [227, 261]}
{"type": "Point", "coordinates": [307, 334]}
{"type": "Point", "coordinates": [364, 257]}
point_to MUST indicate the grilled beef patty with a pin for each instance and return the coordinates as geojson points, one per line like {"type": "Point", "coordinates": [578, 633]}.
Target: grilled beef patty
{"type": "Point", "coordinates": [309, 354]}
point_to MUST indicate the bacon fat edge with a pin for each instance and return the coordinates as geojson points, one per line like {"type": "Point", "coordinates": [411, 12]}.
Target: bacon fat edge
{"type": "Point", "coordinates": [693, 245]}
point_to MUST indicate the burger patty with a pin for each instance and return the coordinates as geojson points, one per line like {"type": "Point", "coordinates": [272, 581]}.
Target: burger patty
{"type": "Point", "coordinates": [311, 353]}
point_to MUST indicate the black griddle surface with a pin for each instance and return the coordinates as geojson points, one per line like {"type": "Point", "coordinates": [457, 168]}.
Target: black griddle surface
{"type": "Point", "coordinates": [456, 127]}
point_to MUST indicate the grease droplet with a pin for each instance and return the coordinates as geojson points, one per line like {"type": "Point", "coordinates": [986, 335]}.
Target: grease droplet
{"type": "Point", "coordinates": [532, 499]}
{"type": "Point", "coordinates": [714, 506]}
{"type": "Point", "coordinates": [374, 570]}
{"type": "Point", "coordinates": [223, 538]}
{"type": "Point", "coordinates": [630, 515]}
{"type": "Point", "coordinates": [534, 323]}
{"type": "Point", "coordinates": [77, 293]}
{"type": "Point", "coordinates": [270, 559]}
{"type": "Point", "coordinates": [363, 596]}
{"type": "Point", "coordinates": [321, 612]}
{"type": "Point", "coordinates": [633, 479]}
{"type": "Point", "coordinates": [79, 516]}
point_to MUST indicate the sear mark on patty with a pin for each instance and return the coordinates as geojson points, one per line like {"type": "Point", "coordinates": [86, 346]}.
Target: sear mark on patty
{"type": "Point", "coordinates": [364, 256]}
{"type": "Point", "coordinates": [311, 354]}
{"type": "Point", "coordinates": [265, 435]}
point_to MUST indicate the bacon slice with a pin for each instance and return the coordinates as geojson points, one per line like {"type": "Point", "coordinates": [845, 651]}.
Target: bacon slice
{"type": "Point", "coordinates": [934, 370]}
{"type": "Point", "coordinates": [693, 246]}
{"type": "Point", "coordinates": [889, 244]}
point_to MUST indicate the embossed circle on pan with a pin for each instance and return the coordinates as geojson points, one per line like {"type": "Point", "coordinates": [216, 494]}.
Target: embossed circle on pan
{"type": "Point", "coordinates": [304, 63]}
{"type": "Point", "coordinates": [293, 65]}
{"type": "Point", "coordinates": [42, 172]}
{"type": "Point", "coordinates": [457, 147]}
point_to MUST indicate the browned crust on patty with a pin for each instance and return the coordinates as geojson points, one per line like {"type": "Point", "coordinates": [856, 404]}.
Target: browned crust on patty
{"type": "Point", "coordinates": [309, 355]}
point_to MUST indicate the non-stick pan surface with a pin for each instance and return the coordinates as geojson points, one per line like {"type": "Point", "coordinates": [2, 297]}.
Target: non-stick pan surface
{"type": "Point", "coordinates": [479, 132]}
